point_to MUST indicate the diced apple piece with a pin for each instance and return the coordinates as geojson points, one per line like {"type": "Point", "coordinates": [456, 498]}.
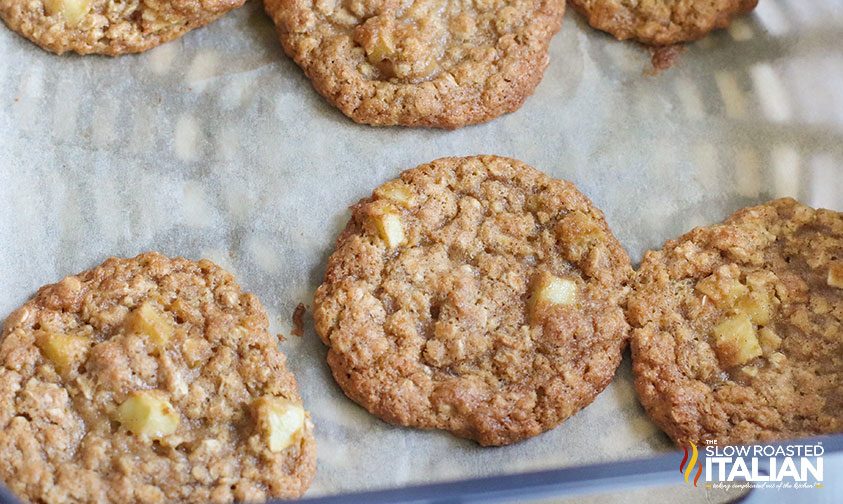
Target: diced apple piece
{"type": "Point", "coordinates": [72, 10]}
{"type": "Point", "coordinates": [751, 371]}
{"type": "Point", "coordinates": [146, 413]}
{"type": "Point", "coordinates": [723, 290]}
{"type": "Point", "coordinates": [181, 309]}
{"type": "Point", "coordinates": [835, 275]}
{"type": "Point", "coordinates": [756, 305]}
{"type": "Point", "coordinates": [148, 321]}
{"type": "Point", "coordinates": [550, 290]}
{"type": "Point", "coordinates": [375, 35]}
{"type": "Point", "coordinates": [65, 351]}
{"type": "Point", "coordinates": [578, 232]}
{"type": "Point", "coordinates": [777, 359]}
{"type": "Point", "coordinates": [196, 351]}
{"type": "Point", "coordinates": [281, 421]}
{"type": "Point", "coordinates": [381, 46]}
{"type": "Point", "coordinates": [555, 290]}
{"type": "Point", "coordinates": [582, 227]}
{"type": "Point", "coordinates": [770, 341]}
{"type": "Point", "coordinates": [397, 192]}
{"type": "Point", "coordinates": [389, 228]}
{"type": "Point", "coordinates": [735, 340]}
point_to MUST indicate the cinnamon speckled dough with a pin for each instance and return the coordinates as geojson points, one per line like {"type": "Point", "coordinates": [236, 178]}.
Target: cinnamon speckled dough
{"type": "Point", "coordinates": [438, 63]}
{"type": "Point", "coordinates": [773, 274]}
{"type": "Point", "coordinates": [110, 27]}
{"type": "Point", "coordinates": [442, 329]}
{"type": "Point", "coordinates": [661, 22]}
{"type": "Point", "coordinates": [62, 436]}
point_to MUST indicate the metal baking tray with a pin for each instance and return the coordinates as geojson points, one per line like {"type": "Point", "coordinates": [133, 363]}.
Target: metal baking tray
{"type": "Point", "coordinates": [216, 146]}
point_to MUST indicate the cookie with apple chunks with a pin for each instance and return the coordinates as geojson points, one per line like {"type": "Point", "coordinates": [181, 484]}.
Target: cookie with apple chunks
{"type": "Point", "coordinates": [737, 327]}
{"type": "Point", "coordinates": [475, 295]}
{"type": "Point", "coordinates": [149, 379]}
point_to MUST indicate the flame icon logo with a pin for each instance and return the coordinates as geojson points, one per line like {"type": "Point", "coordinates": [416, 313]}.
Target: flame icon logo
{"type": "Point", "coordinates": [687, 470]}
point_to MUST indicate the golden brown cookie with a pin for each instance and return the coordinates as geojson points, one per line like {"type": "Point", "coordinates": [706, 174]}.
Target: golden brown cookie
{"type": "Point", "coordinates": [434, 63]}
{"type": "Point", "coordinates": [737, 327]}
{"type": "Point", "coordinates": [110, 27]}
{"type": "Point", "coordinates": [661, 22]}
{"type": "Point", "coordinates": [475, 295]}
{"type": "Point", "coordinates": [149, 380]}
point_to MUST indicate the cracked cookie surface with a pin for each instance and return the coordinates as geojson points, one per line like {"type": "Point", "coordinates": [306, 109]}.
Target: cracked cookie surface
{"type": "Point", "coordinates": [437, 63]}
{"type": "Point", "coordinates": [737, 327]}
{"type": "Point", "coordinates": [149, 380]}
{"type": "Point", "coordinates": [110, 27]}
{"type": "Point", "coordinates": [661, 22]}
{"type": "Point", "coordinates": [475, 295]}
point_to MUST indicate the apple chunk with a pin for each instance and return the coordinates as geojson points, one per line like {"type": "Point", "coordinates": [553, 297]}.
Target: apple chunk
{"type": "Point", "coordinates": [150, 322]}
{"type": "Point", "coordinates": [722, 288]}
{"type": "Point", "coordinates": [281, 421]}
{"type": "Point", "coordinates": [550, 290]}
{"type": "Point", "coordinates": [396, 191]}
{"type": "Point", "coordinates": [735, 340]}
{"type": "Point", "coordinates": [65, 351]}
{"type": "Point", "coordinates": [147, 413]}
{"type": "Point", "coordinates": [757, 305]}
{"type": "Point", "coordinates": [389, 228]}
{"type": "Point", "coordinates": [72, 10]}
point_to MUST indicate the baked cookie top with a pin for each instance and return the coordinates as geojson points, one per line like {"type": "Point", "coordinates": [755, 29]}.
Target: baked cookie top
{"type": "Point", "coordinates": [737, 327]}
{"type": "Point", "coordinates": [439, 63]}
{"type": "Point", "coordinates": [475, 295]}
{"type": "Point", "coordinates": [110, 27]}
{"type": "Point", "coordinates": [661, 22]}
{"type": "Point", "coordinates": [147, 380]}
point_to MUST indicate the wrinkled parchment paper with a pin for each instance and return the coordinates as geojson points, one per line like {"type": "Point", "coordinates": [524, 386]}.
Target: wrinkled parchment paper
{"type": "Point", "coordinates": [216, 146]}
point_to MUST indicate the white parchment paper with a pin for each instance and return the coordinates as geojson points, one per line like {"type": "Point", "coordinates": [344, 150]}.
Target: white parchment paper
{"type": "Point", "coordinates": [216, 146]}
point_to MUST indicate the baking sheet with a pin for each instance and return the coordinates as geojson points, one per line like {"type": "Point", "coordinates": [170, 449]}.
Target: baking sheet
{"type": "Point", "coordinates": [216, 146]}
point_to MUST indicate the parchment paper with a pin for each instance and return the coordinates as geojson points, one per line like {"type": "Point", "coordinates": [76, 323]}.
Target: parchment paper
{"type": "Point", "coordinates": [216, 146]}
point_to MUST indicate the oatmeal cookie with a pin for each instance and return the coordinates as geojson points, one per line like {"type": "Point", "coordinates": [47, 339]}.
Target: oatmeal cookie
{"type": "Point", "coordinates": [110, 27]}
{"type": "Point", "coordinates": [475, 295]}
{"type": "Point", "coordinates": [149, 380]}
{"type": "Point", "coordinates": [737, 327]}
{"type": "Point", "coordinates": [432, 63]}
{"type": "Point", "coordinates": [661, 22]}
